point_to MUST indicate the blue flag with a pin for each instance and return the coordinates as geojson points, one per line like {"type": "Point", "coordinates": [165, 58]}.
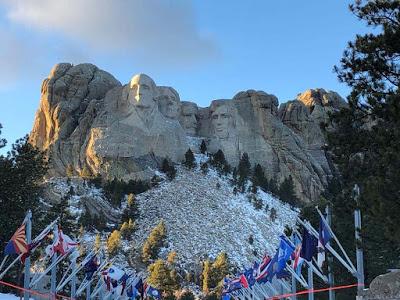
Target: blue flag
{"type": "Point", "coordinates": [308, 246]}
{"type": "Point", "coordinates": [278, 263]}
{"type": "Point", "coordinates": [323, 239]}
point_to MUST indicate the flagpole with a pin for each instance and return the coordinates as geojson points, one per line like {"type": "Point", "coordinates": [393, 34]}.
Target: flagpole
{"type": "Point", "coordinates": [27, 275]}
{"type": "Point", "coordinates": [88, 291]}
{"type": "Point", "coordinates": [53, 280]}
{"type": "Point", "coordinates": [331, 278]}
{"type": "Point", "coordinates": [359, 250]}
{"type": "Point", "coordinates": [310, 283]}
{"type": "Point", "coordinates": [294, 288]}
{"type": "Point", "coordinates": [73, 281]}
{"type": "Point", "coordinates": [3, 262]}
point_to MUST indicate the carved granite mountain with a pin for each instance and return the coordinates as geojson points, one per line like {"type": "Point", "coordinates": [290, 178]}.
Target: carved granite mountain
{"type": "Point", "coordinates": [89, 122]}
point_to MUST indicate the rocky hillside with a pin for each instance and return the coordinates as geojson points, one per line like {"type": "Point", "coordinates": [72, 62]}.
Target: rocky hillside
{"type": "Point", "coordinates": [202, 215]}
{"type": "Point", "coordinates": [91, 124]}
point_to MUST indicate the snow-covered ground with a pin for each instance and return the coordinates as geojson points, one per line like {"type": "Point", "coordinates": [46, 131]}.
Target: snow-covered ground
{"type": "Point", "coordinates": [202, 219]}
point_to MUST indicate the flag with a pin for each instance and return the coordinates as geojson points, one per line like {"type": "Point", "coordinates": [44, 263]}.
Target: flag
{"type": "Point", "coordinates": [243, 281]}
{"type": "Point", "coordinates": [263, 264]}
{"type": "Point", "coordinates": [284, 253]}
{"type": "Point", "coordinates": [308, 246]}
{"type": "Point", "coordinates": [262, 270]}
{"type": "Point", "coordinates": [231, 285]}
{"type": "Point", "coordinates": [323, 238]}
{"type": "Point", "coordinates": [131, 293]}
{"type": "Point", "coordinates": [296, 258]}
{"type": "Point", "coordinates": [140, 287]}
{"type": "Point", "coordinates": [90, 267]}
{"type": "Point", "coordinates": [278, 263]}
{"type": "Point", "coordinates": [62, 244]}
{"type": "Point", "coordinates": [152, 292]}
{"type": "Point", "coordinates": [249, 273]}
{"type": "Point", "coordinates": [226, 297]}
{"type": "Point", "coordinates": [17, 243]}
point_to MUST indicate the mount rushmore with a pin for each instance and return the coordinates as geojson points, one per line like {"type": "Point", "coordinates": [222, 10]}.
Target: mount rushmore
{"type": "Point", "coordinates": [87, 120]}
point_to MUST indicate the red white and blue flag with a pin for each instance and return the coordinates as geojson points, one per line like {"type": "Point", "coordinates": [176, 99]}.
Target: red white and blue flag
{"type": "Point", "coordinates": [17, 243]}
{"type": "Point", "coordinates": [262, 271]}
{"type": "Point", "coordinates": [296, 258]}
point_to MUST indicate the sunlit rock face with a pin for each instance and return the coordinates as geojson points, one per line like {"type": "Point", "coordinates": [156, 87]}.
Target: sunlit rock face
{"type": "Point", "coordinates": [120, 133]}
{"type": "Point", "coordinates": [87, 119]}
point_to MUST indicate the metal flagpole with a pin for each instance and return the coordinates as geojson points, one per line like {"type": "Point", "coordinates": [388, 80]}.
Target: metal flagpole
{"type": "Point", "coordinates": [359, 250]}
{"type": "Point", "coordinates": [73, 281]}
{"type": "Point", "coordinates": [331, 278]}
{"type": "Point", "coordinates": [294, 287]}
{"type": "Point", "coordinates": [88, 291]}
{"type": "Point", "coordinates": [329, 247]}
{"type": "Point", "coordinates": [310, 283]}
{"type": "Point", "coordinates": [53, 281]}
{"type": "Point", "coordinates": [27, 276]}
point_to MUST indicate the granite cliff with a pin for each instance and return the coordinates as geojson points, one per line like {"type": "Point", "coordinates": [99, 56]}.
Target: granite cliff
{"type": "Point", "coordinates": [89, 122]}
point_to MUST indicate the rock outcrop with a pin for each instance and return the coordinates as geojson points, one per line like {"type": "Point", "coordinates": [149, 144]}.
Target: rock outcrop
{"type": "Point", "coordinates": [384, 287]}
{"type": "Point", "coordinates": [89, 122]}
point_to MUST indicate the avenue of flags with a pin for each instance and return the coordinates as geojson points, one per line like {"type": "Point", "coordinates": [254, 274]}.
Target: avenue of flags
{"type": "Point", "coordinates": [108, 278]}
{"type": "Point", "coordinates": [296, 251]}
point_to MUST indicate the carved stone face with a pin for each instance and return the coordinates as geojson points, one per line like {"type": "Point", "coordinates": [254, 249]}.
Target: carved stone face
{"type": "Point", "coordinates": [169, 103]}
{"type": "Point", "coordinates": [221, 121]}
{"type": "Point", "coordinates": [143, 90]}
{"type": "Point", "coordinates": [188, 118]}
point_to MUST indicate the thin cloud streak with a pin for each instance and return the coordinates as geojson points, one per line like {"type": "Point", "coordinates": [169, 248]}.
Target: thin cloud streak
{"type": "Point", "coordinates": [163, 32]}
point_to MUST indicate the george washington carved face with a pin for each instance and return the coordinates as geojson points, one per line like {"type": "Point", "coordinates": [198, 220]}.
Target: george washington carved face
{"type": "Point", "coordinates": [143, 90]}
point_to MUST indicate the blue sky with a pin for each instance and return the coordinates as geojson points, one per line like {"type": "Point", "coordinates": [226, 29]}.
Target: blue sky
{"type": "Point", "coordinates": [204, 49]}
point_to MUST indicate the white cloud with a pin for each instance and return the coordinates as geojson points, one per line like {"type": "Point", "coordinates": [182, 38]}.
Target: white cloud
{"type": "Point", "coordinates": [159, 31]}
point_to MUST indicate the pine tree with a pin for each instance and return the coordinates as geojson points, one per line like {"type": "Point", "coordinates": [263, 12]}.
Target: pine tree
{"type": "Point", "coordinates": [21, 175]}
{"type": "Point", "coordinates": [204, 168]}
{"type": "Point", "coordinates": [219, 162]}
{"type": "Point", "coordinates": [154, 242]}
{"type": "Point", "coordinates": [114, 243]}
{"type": "Point", "coordinates": [163, 277]}
{"type": "Point", "coordinates": [243, 171]}
{"type": "Point", "coordinates": [190, 161]}
{"type": "Point", "coordinates": [203, 147]}
{"type": "Point", "coordinates": [168, 169]}
{"type": "Point", "coordinates": [171, 257]}
{"type": "Point", "coordinates": [259, 178]}
{"type": "Point", "coordinates": [206, 276]}
{"type": "Point", "coordinates": [287, 193]}
{"type": "Point", "coordinates": [69, 170]}
{"type": "Point", "coordinates": [220, 268]}
{"type": "Point", "coordinates": [67, 221]}
{"type": "Point", "coordinates": [272, 214]}
{"type": "Point", "coordinates": [132, 210]}
{"type": "Point", "coordinates": [365, 139]}
{"type": "Point", "coordinates": [97, 242]}
{"type": "Point", "coordinates": [273, 186]}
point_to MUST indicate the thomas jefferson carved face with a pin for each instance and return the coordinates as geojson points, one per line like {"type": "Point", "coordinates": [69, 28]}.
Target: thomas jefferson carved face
{"type": "Point", "coordinates": [169, 103]}
{"type": "Point", "coordinates": [188, 118]}
{"type": "Point", "coordinates": [221, 120]}
{"type": "Point", "coordinates": [143, 91]}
